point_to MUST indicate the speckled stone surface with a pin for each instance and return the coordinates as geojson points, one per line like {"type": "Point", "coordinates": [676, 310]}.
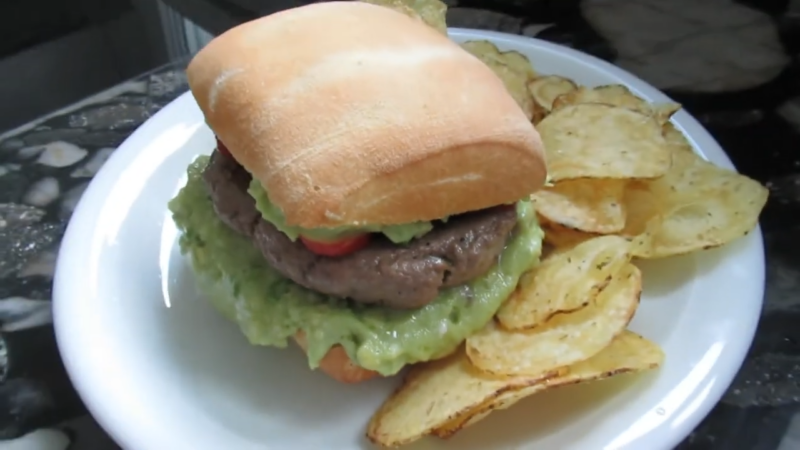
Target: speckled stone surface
{"type": "Point", "coordinates": [734, 65]}
{"type": "Point", "coordinates": [44, 168]}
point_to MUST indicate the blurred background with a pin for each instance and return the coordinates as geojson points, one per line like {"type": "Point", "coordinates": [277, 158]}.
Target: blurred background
{"type": "Point", "coordinates": [56, 52]}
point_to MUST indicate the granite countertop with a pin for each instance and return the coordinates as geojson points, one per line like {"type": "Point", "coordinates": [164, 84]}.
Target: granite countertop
{"type": "Point", "coordinates": [734, 65]}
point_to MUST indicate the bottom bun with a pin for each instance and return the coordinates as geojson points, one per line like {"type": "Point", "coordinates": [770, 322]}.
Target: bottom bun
{"type": "Point", "coordinates": [338, 365]}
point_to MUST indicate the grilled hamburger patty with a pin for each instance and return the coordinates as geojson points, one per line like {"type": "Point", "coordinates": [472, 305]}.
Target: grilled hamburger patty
{"type": "Point", "coordinates": [396, 276]}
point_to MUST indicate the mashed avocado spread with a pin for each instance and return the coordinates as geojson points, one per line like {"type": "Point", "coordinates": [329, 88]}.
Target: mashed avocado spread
{"type": "Point", "coordinates": [270, 212]}
{"type": "Point", "coordinates": [269, 309]}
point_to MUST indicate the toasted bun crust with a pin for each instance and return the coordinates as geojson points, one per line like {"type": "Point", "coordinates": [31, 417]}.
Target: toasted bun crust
{"type": "Point", "coordinates": [350, 113]}
{"type": "Point", "coordinates": [338, 365]}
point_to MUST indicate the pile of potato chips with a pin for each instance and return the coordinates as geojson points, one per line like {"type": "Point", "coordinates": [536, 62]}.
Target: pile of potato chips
{"type": "Point", "coordinates": [624, 184]}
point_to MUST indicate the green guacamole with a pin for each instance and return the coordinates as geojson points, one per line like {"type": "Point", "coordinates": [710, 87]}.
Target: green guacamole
{"type": "Point", "coordinates": [396, 233]}
{"type": "Point", "coordinates": [270, 309]}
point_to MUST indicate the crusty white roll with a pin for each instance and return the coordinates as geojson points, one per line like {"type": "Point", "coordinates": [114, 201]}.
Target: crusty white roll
{"type": "Point", "coordinates": [350, 113]}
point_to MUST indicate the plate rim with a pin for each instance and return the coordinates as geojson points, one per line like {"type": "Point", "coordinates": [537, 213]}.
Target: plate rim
{"type": "Point", "coordinates": [89, 208]}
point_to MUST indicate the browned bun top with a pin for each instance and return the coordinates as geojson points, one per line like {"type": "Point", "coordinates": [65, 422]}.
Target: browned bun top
{"type": "Point", "coordinates": [351, 113]}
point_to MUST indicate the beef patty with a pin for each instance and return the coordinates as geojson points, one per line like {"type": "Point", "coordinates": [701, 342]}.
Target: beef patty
{"type": "Point", "coordinates": [397, 276]}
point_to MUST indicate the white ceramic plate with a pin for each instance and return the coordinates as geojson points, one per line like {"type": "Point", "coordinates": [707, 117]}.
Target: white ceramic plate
{"type": "Point", "coordinates": [160, 369]}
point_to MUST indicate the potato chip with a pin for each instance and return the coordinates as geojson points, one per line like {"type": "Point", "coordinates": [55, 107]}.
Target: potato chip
{"type": "Point", "coordinates": [564, 339]}
{"type": "Point", "coordinates": [519, 63]}
{"type": "Point", "coordinates": [447, 395]}
{"type": "Point", "coordinates": [433, 393]}
{"type": "Point", "coordinates": [560, 236]}
{"type": "Point", "coordinates": [488, 51]}
{"type": "Point", "coordinates": [662, 112]}
{"type": "Point", "coordinates": [603, 141]}
{"type": "Point", "coordinates": [512, 67]}
{"type": "Point", "coordinates": [564, 282]}
{"type": "Point", "coordinates": [538, 114]}
{"type": "Point", "coordinates": [627, 353]}
{"type": "Point", "coordinates": [675, 139]}
{"type": "Point", "coordinates": [431, 12]}
{"type": "Point", "coordinates": [589, 204]}
{"type": "Point", "coordinates": [697, 206]}
{"type": "Point", "coordinates": [641, 207]}
{"type": "Point", "coordinates": [617, 95]}
{"type": "Point", "coordinates": [612, 94]}
{"type": "Point", "coordinates": [546, 89]}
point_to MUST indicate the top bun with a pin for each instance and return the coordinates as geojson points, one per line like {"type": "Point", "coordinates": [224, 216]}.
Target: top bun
{"type": "Point", "coordinates": [351, 113]}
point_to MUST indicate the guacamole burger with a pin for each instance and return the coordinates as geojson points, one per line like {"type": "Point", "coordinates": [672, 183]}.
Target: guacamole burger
{"type": "Point", "coordinates": [367, 196]}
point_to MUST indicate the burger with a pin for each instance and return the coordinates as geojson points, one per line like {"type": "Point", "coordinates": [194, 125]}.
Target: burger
{"type": "Point", "coordinates": [368, 197]}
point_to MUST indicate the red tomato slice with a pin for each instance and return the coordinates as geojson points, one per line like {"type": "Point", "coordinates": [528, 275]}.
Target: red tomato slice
{"type": "Point", "coordinates": [222, 149]}
{"type": "Point", "coordinates": [337, 248]}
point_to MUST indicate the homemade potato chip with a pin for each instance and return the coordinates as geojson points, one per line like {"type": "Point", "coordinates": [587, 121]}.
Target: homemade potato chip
{"type": "Point", "coordinates": [627, 353]}
{"type": "Point", "coordinates": [433, 393]}
{"type": "Point", "coordinates": [432, 12]}
{"type": "Point", "coordinates": [565, 338]}
{"type": "Point", "coordinates": [675, 139]}
{"type": "Point", "coordinates": [487, 51]}
{"type": "Point", "coordinates": [664, 111]}
{"type": "Point", "coordinates": [603, 141]}
{"type": "Point", "coordinates": [612, 94]}
{"type": "Point", "coordinates": [512, 67]}
{"type": "Point", "coordinates": [589, 204]}
{"type": "Point", "coordinates": [641, 207]}
{"type": "Point", "coordinates": [560, 236]}
{"type": "Point", "coordinates": [519, 62]}
{"type": "Point", "coordinates": [546, 89]}
{"type": "Point", "coordinates": [697, 205]}
{"type": "Point", "coordinates": [447, 395]}
{"type": "Point", "coordinates": [564, 282]}
{"type": "Point", "coordinates": [617, 95]}
{"type": "Point", "coordinates": [538, 114]}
